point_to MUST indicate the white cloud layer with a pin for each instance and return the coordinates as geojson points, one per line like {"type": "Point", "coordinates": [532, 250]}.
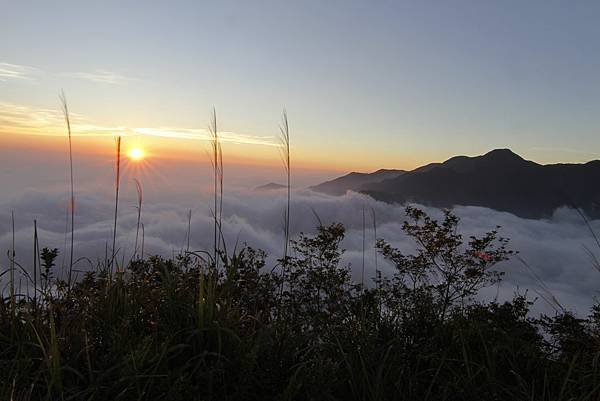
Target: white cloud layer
{"type": "Point", "coordinates": [553, 248]}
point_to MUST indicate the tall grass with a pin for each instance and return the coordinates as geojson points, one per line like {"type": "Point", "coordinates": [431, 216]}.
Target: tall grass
{"type": "Point", "coordinates": [65, 108]}
{"type": "Point", "coordinates": [143, 240]}
{"type": "Point", "coordinates": [11, 266]}
{"type": "Point", "coordinates": [364, 243]}
{"type": "Point", "coordinates": [140, 198]}
{"type": "Point", "coordinates": [284, 139]}
{"type": "Point", "coordinates": [285, 154]}
{"type": "Point", "coordinates": [189, 228]}
{"type": "Point", "coordinates": [36, 258]}
{"type": "Point", "coordinates": [117, 186]}
{"type": "Point", "coordinates": [217, 166]}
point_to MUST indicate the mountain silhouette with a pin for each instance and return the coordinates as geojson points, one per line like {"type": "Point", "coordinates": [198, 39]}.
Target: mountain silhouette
{"type": "Point", "coordinates": [500, 180]}
{"type": "Point", "coordinates": [271, 186]}
{"type": "Point", "coordinates": [355, 181]}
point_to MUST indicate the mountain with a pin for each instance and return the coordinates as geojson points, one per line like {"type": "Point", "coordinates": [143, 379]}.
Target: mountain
{"type": "Point", "coordinates": [272, 186]}
{"type": "Point", "coordinates": [500, 180]}
{"type": "Point", "coordinates": [355, 181]}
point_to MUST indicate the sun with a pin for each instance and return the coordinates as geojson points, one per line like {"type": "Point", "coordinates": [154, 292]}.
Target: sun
{"type": "Point", "coordinates": [136, 154]}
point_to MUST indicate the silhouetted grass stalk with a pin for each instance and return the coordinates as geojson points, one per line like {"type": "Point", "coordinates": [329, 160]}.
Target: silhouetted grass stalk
{"type": "Point", "coordinates": [364, 241]}
{"type": "Point", "coordinates": [189, 227]}
{"type": "Point", "coordinates": [117, 185]}
{"type": "Point", "coordinates": [143, 238]}
{"type": "Point", "coordinates": [284, 139]}
{"type": "Point", "coordinates": [11, 261]}
{"type": "Point", "coordinates": [140, 198]}
{"type": "Point", "coordinates": [36, 255]}
{"type": "Point", "coordinates": [65, 108]}
{"type": "Point", "coordinates": [217, 165]}
{"type": "Point", "coordinates": [377, 272]}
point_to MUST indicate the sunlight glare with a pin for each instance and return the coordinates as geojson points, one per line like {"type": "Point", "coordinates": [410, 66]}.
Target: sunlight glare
{"type": "Point", "coordinates": [136, 154]}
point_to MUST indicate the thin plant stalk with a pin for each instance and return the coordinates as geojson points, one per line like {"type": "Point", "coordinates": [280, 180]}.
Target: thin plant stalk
{"type": "Point", "coordinates": [362, 274]}
{"type": "Point", "coordinates": [220, 194]}
{"type": "Point", "coordinates": [217, 164]}
{"type": "Point", "coordinates": [35, 260]}
{"type": "Point", "coordinates": [65, 108]}
{"type": "Point", "coordinates": [143, 237]}
{"type": "Point", "coordinates": [375, 239]}
{"type": "Point", "coordinates": [285, 157]}
{"type": "Point", "coordinates": [284, 139]}
{"type": "Point", "coordinates": [11, 266]}
{"type": "Point", "coordinates": [117, 185]}
{"type": "Point", "coordinates": [189, 230]}
{"type": "Point", "coordinates": [377, 272]}
{"type": "Point", "coordinates": [140, 197]}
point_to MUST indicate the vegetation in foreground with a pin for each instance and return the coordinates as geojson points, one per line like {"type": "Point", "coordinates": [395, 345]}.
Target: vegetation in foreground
{"type": "Point", "coordinates": [195, 329]}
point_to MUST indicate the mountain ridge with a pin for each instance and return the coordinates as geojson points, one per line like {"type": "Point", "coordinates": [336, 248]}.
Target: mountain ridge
{"type": "Point", "coordinates": [500, 180]}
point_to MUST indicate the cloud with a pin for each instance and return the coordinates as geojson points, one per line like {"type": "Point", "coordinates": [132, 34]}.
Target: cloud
{"type": "Point", "coordinates": [10, 71]}
{"type": "Point", "coordinates": [553, 248]}
{"type": "Point", "coordinates": [102, 76]}
{"type": "Point", "coordinates": [20, 119]}
{"type": "Point", "coordinates": [19, 72]}
{"type": "Point", "coordinates": [566, 150]}
{"type": "Point", "coordinates": [204, 135]}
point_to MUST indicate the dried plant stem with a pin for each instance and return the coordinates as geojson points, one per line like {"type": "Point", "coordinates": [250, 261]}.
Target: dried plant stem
{"type": "Point", "coordinates": [11, 267]}
{"type": "Point", "coordinates": [285, 156]}
{"type": "Point", "coordinates": [140, 197]}
{"type": "Point", "coordinates": [217, 164]}
{"type": "Point", "coordinates": [377, 272]}
{"type": "Point", "coordinates": [65, 108]}
{"type": "Point", "coordinates": [117, 185]}
{"type": "Point", "coordinates": [284, 140]}
{"type": "Point", "coordinates": [189, 227]}
{"type": "Point", "coordinates": [364, 238]}
{"type": "Point", "coordinates": [36, 256]}
{"type": "Point", "coordinates": [143, 238]}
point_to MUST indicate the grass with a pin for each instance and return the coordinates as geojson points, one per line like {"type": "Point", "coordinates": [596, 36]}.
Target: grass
{"type": "Point", "coordinates": [140, 200]}
{"type": "Point", "coordinates": [285, 154]}
{"type": "Point", "coordinates": [286, 160]}
{"type": "Point", "coordinates": [217, 165]}
{"type": "Point", "coordinates": [65, 108]}
{"type": "Point", "coordinates": [117, 187]}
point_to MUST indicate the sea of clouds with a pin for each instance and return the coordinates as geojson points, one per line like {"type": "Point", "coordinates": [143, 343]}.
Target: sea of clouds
{"type": "Point", "coordinates": [554, 248]}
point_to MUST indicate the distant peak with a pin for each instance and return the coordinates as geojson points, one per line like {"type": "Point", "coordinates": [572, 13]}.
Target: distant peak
{"type": "Point", "coordinates": [387, 170]}
{"type": "Point", "coordinates": [504, 154]}
{"type": "Point", "coordinates": [270, 187]}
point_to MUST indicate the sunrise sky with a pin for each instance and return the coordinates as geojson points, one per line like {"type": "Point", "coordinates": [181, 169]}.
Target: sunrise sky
{"type": "Point", "coordinates": [367, 85]}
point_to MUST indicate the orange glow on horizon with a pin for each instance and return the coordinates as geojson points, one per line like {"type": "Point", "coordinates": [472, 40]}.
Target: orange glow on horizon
{"type": "Point", "coordinates": [187, 151]}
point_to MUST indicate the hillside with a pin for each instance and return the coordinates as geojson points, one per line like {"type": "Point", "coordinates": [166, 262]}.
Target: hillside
{"type": "Point", "coordinates": [355, 181]}
{"type": "Point", "coordinates": [500, 180]}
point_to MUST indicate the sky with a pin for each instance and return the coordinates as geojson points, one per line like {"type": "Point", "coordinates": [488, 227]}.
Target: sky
{"type": "Point", "coordinates": [367, 85]}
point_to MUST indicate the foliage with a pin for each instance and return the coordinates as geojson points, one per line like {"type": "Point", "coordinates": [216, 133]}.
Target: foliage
{"type": "Point", "coordinates": [192, 329]}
